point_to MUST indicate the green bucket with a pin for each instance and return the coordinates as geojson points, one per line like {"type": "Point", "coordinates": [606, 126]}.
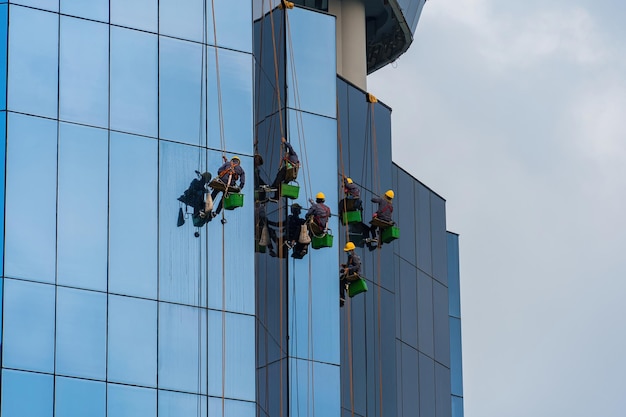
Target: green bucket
{"type": "Point", "coordinates": [390, 234]}
{"type": "Point", "coordinates": [351, 217]}
{"type": "Point", "coordinates": [357, 287]}
{"type": "Point", "coordinates": [325, 241]}
{"type": "Point", "coordinates": [289, 191]}
{"type": "Point", "coordinates": [233, 200]}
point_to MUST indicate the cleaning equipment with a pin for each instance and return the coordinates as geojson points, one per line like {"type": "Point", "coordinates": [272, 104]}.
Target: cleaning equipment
{"type": "Point", "coordinates": [357, 287]}
{"type": "Point", "coordinates": [290, 190]}
{"type": "Point", "coordinates": [233, 200]}
{"type": "Point", "coordinates": [323, 241]}
{"type": "Point", "coordinates": [390, 234]}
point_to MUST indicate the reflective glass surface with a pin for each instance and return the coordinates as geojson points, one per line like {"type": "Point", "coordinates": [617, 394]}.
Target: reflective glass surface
{"type": "Point", "coordinates": [30, 233]}
{"type": "Point", "coordinates": [79, 398]}
{"type": "Point", "coordinates": [132, 341]}
{"type": "Point", "coordinates": [404, 211]}
{"type": "Point", "coordinates": [315, 388]}
{"type": "Point", "coordinates": [133, 180]}
{"type": "Point", "coordinates": [409, 390]}
{"type": "Point", "coordinates": [28, 329]}
{"type": "Point", "coordinates": [457, 406]}
{"type": "Point", "coordinates": [425, 314]}
{"type": "Point", "coordinates": [426, 385]}
{"type": "Point", "coordinates": [82, 207]}
{"type": "Point", "coordinates": [33, 61]}
{"type": "Point", "coordinates": [84, 71]}
{"type": "Point", "coordinates": [81, 327]}
{"type": "Point", "coordinates": [442, 390]}
{"type": "Point", "coordinates": [441, 323]}
{"type": "Point", "coordinates": [26, 394]}
{"type": "Point", "coordinates": [93, 9]}
{"type": "Point", "coordinates": [454, 290]}
{"type": "Point", "coordinates": [407, 294]}
{"type": "Point", "coordinates": [51, 5]}
{"type": "Point", "coordinates": [424, 259]}
{"type": "Point", "coordinates": [137, 14]}
{"type": "Point", "coordinates": [175, 404]}
{"type": "Point", "coordinates": [185, 20]}
{"type": "Point", "coordinates": [456, 362]}
{"type": "Point", "coordinates": [4, 33]}
{"type": "Point", "coordinates": [182, 350]}
{"type": "Point", "coordinates": [134, 85]}
{"type": "Point", "coordinates": [439, 243]}
{"type": "Point", "coordinates": [3, 136]}
{"type": "Point", "coordinates": [127, 401]}
{"type": "Point", "coordinates": [311, 66]}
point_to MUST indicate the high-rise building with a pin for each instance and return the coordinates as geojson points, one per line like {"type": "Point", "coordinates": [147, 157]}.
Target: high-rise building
{"type": "Point", "coordinates": [110, 307]}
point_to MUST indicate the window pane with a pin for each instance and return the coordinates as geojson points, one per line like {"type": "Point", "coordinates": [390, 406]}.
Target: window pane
{"type": "Point", "coordinates": [321, 380]}
{"type": "Point", "coordinates": [425, 314]}
{"type": "Point", "coordinates": [424, 259]}
{"type": "Point", "coordinates": [79, 398]}
{"type": "Point", "coordinates": [138, 14]}
{"type": "Point", "coordinates": [240, 357]}
{"type": "Point", "coordinates": [176, 404]}
{"type": "Point", "coordinates": [180, 66]}
{"type": "Point", "coordinates": [426, 385]}
{"type": "Point", "coordinates": [33, 61]}
{"type": "Point", "coordinates": [438, 218]}
{"type": "Point", "coordinates": [408, 367]}
{"type": "Point", "coordinates": [4, 33]}
{"type": "Point", "coordinates": [182, 348]}
{"type": "Point", "coordinates": [28, 326]}
{"type": "Point", "coordinates": [132, 333]}
{"type": "Point", "coordinates": [26, 394]}
{"type": "Point", "coordinates": [441, 322]}
{"type": "Point", "coordinates": [132, 224]}
{"type": "Point", "coordinates": [443, 401]}
{"type": "Point", "coordinates": [3, 137]}
{"type": "Point", "coordinates": [81, 327]}
{"type": "Point", "coordinates": [92, 9]}
{"type": "Point", "coordinates": [125, 401]}
{"type": "Point", "coordinates": [31, 214]}
{"type": "Point", "coordinates": [456, 360]}
{"type": "Point", "coordinates": [311, 66]}
{"type": "Point", "coordinates": [134, 86]}
{"type": "Point", "coordinates": [454, 290]}
{"type": "Point", "coordinates": [84, 71]}
{"type": "Point", "coordinates": [82, 207]}
{"type": "Point", "coordinates": [408, 303]}
{"type": "Point", "coordinates": [52, 5]}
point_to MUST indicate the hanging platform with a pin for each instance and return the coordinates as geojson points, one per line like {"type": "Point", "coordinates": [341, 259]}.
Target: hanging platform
{"type": "Point", "coordinates": [351, 217]}
{"type": "Point", "coordinates": [289, 190]}
{"type": "Point", "coordinates": [357, 287]}
{"type": "Point", "coordinates": [390, 234]}
{"type": "Point", "coordinates": [219, 185]}
{"type": "Point", "coordinates": [323, 241]}
{"type": "Point", "coordinates": [233, 200]}
{"type": "Point", "coordinates": [383, 224]}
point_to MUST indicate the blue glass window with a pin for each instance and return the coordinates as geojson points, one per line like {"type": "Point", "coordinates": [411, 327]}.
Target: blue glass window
{"type": "Point", "coordinates": [441, 321]}
{"type": "Point", "coordinates": [51, 5]}
{"type": "Point", "coordinates": [84, 71]}
{"type": "Point", "coordinates": [426, 385]}
{"type": "Point", "coordinates": [81, 327]}
{"type": "Point", "coordinates": [439, 251]}
{"type": "Point", "coordinates": [182, 348]}
{"type": "Point", "coordinates": [33, 61]}
{"type": "Point", "coordinates": [92, 9]}
{"type": "Point", "coordinates": [408, 303]}
{"type": "Point", "coordinates": [454, 290]}
{"type": "Point", "coordinates": [132, 222]}
{"type": "Point", "coordinates": [26, 394]}
{"type": "Point", "coordinates": [322, 382]}
{"type": "Point", "coordinates": [127, 401]}
{"type": "Point", "coordinates": [176, 404]}
{"type": "Point", "coordinates": [425, 314]}
{"type": "Point", "coordinates": [443, 404]}
{"type": "Point", "coordinates": [137, 14]}
{"type": "Point", "coordinates": [31, 213]}
{"type": "Point", "coordinates": [28, 339]}
{"type": "Point", "coordinates": [180, 66]}
{"type": "Point", "coordinates": [240, 357]}
{"type": "Point", "coordinates": [4, 33]}
{"type": "Point", "coordinates": [79, 398]}
{"type": "Point", "coordinates": [407, 367]}
{"type": "Point", "coordinates": [456, 360]}
{"type": "Point", "coordinates": [134, 85]}
{"type": "Point", "coordinates": [132, 341]}
{"type": "Point", "coordinates": [424, 258]}
{"type": "Point", "coordinates": [311, 66]}
{"type": "Point", "coordinates": [182, 20]}
{"type": "Point", "coordinates": [3, 137]}
{"type": "Point", "coordinates": [82, 207]}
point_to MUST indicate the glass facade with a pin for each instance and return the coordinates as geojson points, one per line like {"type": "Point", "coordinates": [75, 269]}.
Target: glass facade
{"type": "Point", "coordinates": [110, 308]}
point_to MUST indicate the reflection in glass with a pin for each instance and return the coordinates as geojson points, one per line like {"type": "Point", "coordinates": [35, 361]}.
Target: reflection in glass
{"type": "Point", "coordinates": [127, 401]}
{"type": "Point", "coordinates": [93, 9]}
{"type": "Point", "coordinates": [81, 327]}
{"type": "Point", "coordinates": [409, 380]}
{"type": "Point", "coordinates": [79, 398]}
{"type": "Point", "coordinates": [82, 207]}
{"type": "Point", "coordinates": [133, 215]}
{"type": "Point", "coordinates": [134, 85]}
{"type": "Point", "coordinates": [3, 137]}
{"type": "Point", "coordinates": [26, 394]}
{"type": "Point", "coordinates": [132, 337]}
{"type": "Point", "coordinates": [31, 214]}
{"type": "Point", "coordinates": [84, 71]}
{"type": "Point", "coordinates": [33, 61]}
{"type": "Point", "coordinates": [28, 339]}
{"type": "Point", "coordinates": [137, 14]}
{"type": "Point", "coordinates": [314, 381]}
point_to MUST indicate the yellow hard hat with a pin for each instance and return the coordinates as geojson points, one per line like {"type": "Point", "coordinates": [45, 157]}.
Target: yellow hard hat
{"type": "Point", "coordinates": [320, 196]}
{"type": "Point", "coordinates": [389, 194]}
{"type": "Point", "coordinates": [237, 158]}
{"type": "Point", "coordinates": [349, 246]}
{"type": "Point", "coordinates": [349, 180]}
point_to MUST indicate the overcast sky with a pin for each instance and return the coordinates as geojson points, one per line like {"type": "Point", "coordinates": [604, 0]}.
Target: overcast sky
{"type": "Point", "coordinates": [515, 112]}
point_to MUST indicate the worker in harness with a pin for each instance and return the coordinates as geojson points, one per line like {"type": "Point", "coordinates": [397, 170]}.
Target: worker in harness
{"type": "Point", "coordinates": [382, 217]}
{"type": "Point", "coordinates": [260, 185]}
{"type": "Point", "coordinates": [288, 169]}
{"type": "Point", "coordinates": [228, 174]}
{"type": "Point", "coordinates": [193, 196]}
{"type": "Point", "coordinates": [294, 230]}
{"type": "Point", "coordinates": [349, 271]}
{"type": "Point", "coordinates": [352, 200]}
{"type": "Point", "coordinates": [318, 214]}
